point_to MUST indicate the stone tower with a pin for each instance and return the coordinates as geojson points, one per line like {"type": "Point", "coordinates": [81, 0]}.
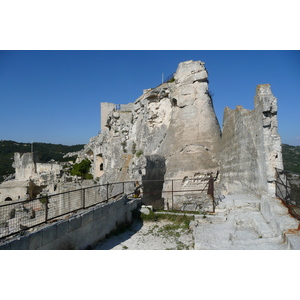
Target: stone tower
{"type": "Point", "coordinates": [251, 146]}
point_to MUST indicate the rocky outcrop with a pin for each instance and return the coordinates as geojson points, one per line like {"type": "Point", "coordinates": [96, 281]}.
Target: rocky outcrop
{"type": "Point", "coordinates": [251, 146]}
{"type": "Point", "coordinates": [175, 121]}
{"type": "Point", "coordinates": [173, 128]}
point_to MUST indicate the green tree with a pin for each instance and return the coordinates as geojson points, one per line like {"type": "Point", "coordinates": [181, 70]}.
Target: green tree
{"type": "Point", "coordinates": [82, 169]}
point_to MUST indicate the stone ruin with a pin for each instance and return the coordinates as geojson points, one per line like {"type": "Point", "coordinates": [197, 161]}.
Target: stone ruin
{"type": "Point", "coordinates": [172, 132]}
{"type": "Point", "coordinates": [33, 178]}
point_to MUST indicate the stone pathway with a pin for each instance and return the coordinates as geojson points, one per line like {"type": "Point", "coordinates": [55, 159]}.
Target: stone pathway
{"type": "Point", "coordinates": [237, 225]}
{"type": "Point", "coordinates": [150, 235]}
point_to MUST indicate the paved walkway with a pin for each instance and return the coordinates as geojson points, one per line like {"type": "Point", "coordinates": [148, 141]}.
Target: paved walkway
{"type": "Point", "coordinates": [237, 225]}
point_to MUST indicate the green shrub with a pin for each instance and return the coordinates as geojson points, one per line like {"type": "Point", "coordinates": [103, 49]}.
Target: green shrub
{"type": "Point", "coordinates": [82, 169]}
{"type": "Point", "coordinates": [139, 153]}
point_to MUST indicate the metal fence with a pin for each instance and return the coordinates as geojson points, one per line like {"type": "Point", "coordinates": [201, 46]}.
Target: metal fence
{"type": "Point", "coordinates": [177, 194]}
{"type": "Point", "coordinates": [288, 190]}
{"type": "Point", "coordinates": [18, 216]}
{"type": "Point", "coordinates": [180, 194]}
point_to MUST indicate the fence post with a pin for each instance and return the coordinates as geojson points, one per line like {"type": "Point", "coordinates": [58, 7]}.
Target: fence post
{"type": "Point", "coordinates": [46, 210]}
{"type": "Point", "coordinates": [107, 192]}
{"type": "Point", "coordinates": [83, 198]}
{"type": "Point", "coordinates": [210, 190]}
{"type": "Point", "coordinates": [172, 194]}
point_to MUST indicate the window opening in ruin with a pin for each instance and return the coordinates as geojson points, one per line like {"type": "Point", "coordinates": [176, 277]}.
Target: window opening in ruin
{"type": "Point", "coordinates": [118, 107]}
{"type": "Point", "coordinates": [101, 167]}
{"type": "Point", "coordinates": [174, 102]}
{"type": "Point", "coordinates": [8, 199]}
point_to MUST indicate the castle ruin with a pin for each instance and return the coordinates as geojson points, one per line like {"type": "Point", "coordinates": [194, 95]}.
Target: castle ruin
{"type": "Point", "coordinates": [172, 131]}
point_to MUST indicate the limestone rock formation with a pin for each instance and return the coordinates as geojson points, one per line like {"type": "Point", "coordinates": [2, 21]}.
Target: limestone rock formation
{"type": "Point", "coordinates": [174, 121]}
{"type": "Point", "coordinates": [171, 132]}
{"type": "Point", "coordinates": [251, 146]}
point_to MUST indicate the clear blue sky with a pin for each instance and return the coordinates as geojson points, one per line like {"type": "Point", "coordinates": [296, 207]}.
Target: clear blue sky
{"type": "Point", "coordinates": [54, 96]}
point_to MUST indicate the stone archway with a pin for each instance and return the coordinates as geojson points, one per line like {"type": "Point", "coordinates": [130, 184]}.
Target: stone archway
{"type": "Point", "coordinates": [99, 166]}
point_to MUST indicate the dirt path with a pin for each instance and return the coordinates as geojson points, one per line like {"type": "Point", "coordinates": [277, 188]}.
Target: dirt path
{"type": "Point", "coordinates": [149, 235]}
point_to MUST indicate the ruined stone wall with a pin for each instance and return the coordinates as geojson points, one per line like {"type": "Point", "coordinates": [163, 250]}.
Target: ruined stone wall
{"type": "Point", "coordinates": [48, 167]}
{"type": "Point", "coordinates": [251, 146]}
{"type": "Point", "coordinates": [16, 190]}
{"type": "Point", "coordinates": [106, 108]}
{"type": "Point", "coordinates": [83, 229]}
{"type": "Point", "coordinates": [25, 165]}
{"type": "Point", "coordinates": [175, 120]}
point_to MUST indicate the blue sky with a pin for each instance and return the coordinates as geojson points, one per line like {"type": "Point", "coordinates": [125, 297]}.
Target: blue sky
{"type": "Point", "coordinates": [54, 96]}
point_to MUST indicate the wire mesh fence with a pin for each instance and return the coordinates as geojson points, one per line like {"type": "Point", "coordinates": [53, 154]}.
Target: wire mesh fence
{"type": "Point", "coordinates": [189, 193]}
{"type": "Point", "coordinates": [18, 216]}
{"type": "Point", "coordinates": [288, 190]}
{"type": "Point", "coordinates": [175, 194]}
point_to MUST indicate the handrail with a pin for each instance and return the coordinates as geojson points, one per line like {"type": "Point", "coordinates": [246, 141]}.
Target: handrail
{"type": "Point", "coordinates": [49, 207]}
{"type": "Point", "coordinates": [287, 189]}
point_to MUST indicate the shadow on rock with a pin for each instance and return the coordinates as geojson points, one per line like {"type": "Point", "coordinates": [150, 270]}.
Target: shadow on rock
{"type": "Point", "coordinates": [120, 235]}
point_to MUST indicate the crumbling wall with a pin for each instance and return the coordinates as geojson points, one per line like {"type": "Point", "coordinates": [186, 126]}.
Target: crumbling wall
{"type": "Point", "coordinates": [176, 120]}
{"type": "Point", "coordinates": [251, 146]}
{"type": "Point", "coordinates": [25, 165]}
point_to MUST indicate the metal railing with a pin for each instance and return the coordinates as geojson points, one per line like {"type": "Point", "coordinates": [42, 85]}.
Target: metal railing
{"type": "Point", "coordinates": [16, 217]}
{"type": "Point", "coordinates": [178, 193]}
{"type": "Point", "coordinates": [288, 190]}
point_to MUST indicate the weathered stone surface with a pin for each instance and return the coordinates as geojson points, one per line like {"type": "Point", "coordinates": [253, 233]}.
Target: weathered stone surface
{"type": "Point", "coordinates": [251, 146]}
{"type": "Point", "coordinates": [174, 120]}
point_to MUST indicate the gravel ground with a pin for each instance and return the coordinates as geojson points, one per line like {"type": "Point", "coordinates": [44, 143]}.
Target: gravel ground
{"type": "Point", "coordinates": [149, 235]}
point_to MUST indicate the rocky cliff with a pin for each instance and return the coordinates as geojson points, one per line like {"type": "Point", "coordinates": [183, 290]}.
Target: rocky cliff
{"type": "Point", "coordinates": [171, 132]}
{"type": "Point", "coordinates": [251, 146]}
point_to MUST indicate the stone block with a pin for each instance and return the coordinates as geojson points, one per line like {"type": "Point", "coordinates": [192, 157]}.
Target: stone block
{"type": "Point", "coordinates": [5, 246]}
{"type": "Point", "coordinates": [216, 218]}
{"type": "Point", "coordinates": [101, 211]}
{"type": "Point", "coordinates": [87, 217]}
{"type": "Point", "coordinates": [49, 234]}
{"type": "Point", "coordinates": [20, 243]}
{"type": "Point", "coordinates": [62, 229]}
{"type": "Point", "coordinates": [35, 240]}
{"type": "Point", "coordinates": [260, 225]}
{"type": "Point", "coordinates": [74, 223]}
{"type": "Point", "coordinates": [293, 241]}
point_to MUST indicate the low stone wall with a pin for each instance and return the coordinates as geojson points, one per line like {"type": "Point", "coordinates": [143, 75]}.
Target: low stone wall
{"type": "Point", "coordinates": [84, 229]}
{"type": "Point", "coordinates": [277, 216]}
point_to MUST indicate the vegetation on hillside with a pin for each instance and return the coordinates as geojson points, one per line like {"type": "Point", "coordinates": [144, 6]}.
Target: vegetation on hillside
{"type": "Point", "coordinates": [291, 158]}
{"type": "Point", "coordinates": [45, 151]}
{"type": "Point", "coordinates": [82, 169]}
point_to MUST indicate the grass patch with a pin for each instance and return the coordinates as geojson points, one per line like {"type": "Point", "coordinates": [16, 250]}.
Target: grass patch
{"type": "Point", "coordinates": [182, 221]}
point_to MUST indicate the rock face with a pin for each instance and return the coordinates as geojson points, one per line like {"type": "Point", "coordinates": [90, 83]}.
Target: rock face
{"type": "Point", "coordinates": [251, 146]}
{"type": "Point", "coordinates": [172, 128]}
{"type": "Point", "coordinates": [171, 132]}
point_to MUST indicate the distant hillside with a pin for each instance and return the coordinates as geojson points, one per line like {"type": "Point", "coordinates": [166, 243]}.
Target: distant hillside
{"type": "Point", "coordinates": [45, 151]}
{"type": "Point", "coordinates": [291, 158]}
{"type": "Point", "coordinates": [291, 154]}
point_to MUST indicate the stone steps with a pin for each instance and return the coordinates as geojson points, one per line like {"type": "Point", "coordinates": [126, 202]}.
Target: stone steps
{"type": "Point", "coordinates": [260, 225]}
{"type": "Point", "coordinates": [237, 224]}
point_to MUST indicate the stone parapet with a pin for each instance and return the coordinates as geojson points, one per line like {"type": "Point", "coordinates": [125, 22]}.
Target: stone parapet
{"type": "Point", "coordinates": [81, 230]}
